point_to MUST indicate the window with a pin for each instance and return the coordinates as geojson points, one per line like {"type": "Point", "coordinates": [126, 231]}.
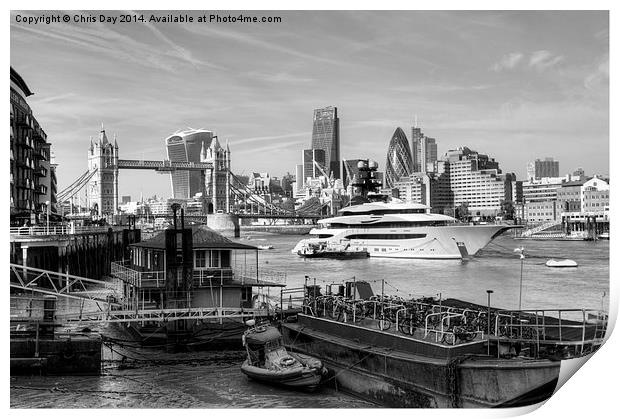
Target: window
{"type": "Point", "coordinates": [200, 259]}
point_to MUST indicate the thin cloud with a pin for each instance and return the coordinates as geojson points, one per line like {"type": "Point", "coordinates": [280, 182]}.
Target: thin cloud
{"type": "Point", "coordinates": [269, 138]}
{"type": "Point", "coordinates": [599, 75]}
{"type": "Point", "coordinates": [253, 41]}
{"type": "Point", "coordinates": [508, 61]}
{"type": "Point", "coordinates": [543, 59]}
{"type": "Point", "coordinates": [102, 39]}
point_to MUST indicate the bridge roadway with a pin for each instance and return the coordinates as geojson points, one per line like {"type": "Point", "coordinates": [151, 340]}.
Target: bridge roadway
{"type": "Point", "coordinates": [162, 165]}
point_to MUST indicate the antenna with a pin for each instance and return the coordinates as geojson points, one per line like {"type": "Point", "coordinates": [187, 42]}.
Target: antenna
{"type": "Point", "coordinates": [415, 121]}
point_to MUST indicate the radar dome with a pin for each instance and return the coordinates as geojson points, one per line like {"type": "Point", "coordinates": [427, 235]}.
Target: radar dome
{"type": "Point", "coordinates": [362, 164]}
{"type": "Point", "coordinates": [373, 164]}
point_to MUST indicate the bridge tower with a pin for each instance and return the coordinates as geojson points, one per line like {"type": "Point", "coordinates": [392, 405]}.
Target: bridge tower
{"type": "Point", "coordinates": [102, 188]}
{"type": "Point", "coordinates": [217, 184]}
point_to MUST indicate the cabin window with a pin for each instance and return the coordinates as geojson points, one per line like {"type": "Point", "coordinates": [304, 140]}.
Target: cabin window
{"type": "Point", "coordinates": [200, 259]}
{"type": "Point", "coordinates": [215, 259]}
{"type": "Point", "coordinates": [209, 259]}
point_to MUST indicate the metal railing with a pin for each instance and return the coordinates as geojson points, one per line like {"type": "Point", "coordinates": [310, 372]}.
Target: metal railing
{"type": "Point", "coordinates": [122, 271]}
{"type": "Point", "coordinates": [166, 315]}
{"type": "Point", "coordinates": [55, 230]}
{"type": "Point", "coordinates": [574, 331]}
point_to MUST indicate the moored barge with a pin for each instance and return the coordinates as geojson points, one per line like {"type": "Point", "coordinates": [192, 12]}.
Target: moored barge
{"type": "Point", "coordinates": [417, 354]}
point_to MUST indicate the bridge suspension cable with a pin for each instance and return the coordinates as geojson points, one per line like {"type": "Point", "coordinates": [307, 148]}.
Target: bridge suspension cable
{"type": "Point", "coordinates": [76, 186]}
{"type": "Point", "coordinates": [242, 191]}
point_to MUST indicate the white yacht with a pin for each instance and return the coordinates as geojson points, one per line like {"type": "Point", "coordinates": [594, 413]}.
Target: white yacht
{"type": "Point", "coordinates": [402, 230]}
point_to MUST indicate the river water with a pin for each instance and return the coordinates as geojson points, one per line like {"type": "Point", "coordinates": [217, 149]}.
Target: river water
{"type": "Point", "coordinates": [213, 379]}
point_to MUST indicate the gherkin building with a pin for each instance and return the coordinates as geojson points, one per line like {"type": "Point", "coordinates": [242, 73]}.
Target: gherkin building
{"type": "Point", "coordinates": [399, 162]}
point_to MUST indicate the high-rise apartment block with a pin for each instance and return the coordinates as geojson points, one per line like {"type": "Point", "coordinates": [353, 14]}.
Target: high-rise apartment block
{"type": "Point", "coordinates": [32, 174]}
{"type": "Point", "coordinates": [326, 136]}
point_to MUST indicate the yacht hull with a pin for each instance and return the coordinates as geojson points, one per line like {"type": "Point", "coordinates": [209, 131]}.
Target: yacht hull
{"type": "Point", "coordinates": [441, 242]}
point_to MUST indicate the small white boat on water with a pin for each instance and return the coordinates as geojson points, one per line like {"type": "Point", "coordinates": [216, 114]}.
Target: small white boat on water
{"type": "Point", "coordinates": [564, 263]}
{"type": "Point", "coordinates": [265, 246]}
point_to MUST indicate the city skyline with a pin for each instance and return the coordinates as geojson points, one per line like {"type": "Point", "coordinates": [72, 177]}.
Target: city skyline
{"type": "Point", "coordinates": [485, 80]}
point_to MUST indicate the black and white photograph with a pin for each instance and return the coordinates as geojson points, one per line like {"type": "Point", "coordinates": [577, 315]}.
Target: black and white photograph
{"type": "Point", "coordinates": [308, 209]}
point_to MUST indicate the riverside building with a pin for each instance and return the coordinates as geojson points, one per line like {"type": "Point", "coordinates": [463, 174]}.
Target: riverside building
{"type": "Point", "coordinates": [32, 175]}
{"type": "Point", "coordinates": [476, 180]}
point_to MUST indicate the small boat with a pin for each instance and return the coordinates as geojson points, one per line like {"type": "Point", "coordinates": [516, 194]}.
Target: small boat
{"type": "Point", "coordinates": [603, 236]}
{"type": "Point", "coordinates": [323, 250]}
{"type": "Point", "coordinates": [265, 246]}
{"type": "Point", "coordinates": [564, 263]}
{"type": "Point", "coordinates": [269, 361]}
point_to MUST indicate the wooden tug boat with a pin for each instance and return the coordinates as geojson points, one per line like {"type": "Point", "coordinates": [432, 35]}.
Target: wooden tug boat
{"type": "Point", "coordinates": [268, 360]}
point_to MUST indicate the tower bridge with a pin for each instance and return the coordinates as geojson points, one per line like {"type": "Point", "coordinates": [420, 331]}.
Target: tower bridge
{"type": "Point", "coordinates": [222, 191]}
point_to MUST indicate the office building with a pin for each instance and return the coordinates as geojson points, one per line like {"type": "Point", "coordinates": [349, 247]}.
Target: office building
{"type": "Point", "coordinates": [313, 163]}
{"type": "Point", "coordinates": [299, 177]}
{"type": "Point", "coordinates": [326, 137]}
{"type": "Point", "coordinates": [543, 168]}
{"type": "Point", "coordinates": [398, 162]}
{"type": "Point", "coordinates": [476, 180]}
{"type": "Point", "coordinates": [423, 150]}
{"type": "Point", "coordinates": [186, 146]}
{"type": "Point", "coordinates": [32, 174]}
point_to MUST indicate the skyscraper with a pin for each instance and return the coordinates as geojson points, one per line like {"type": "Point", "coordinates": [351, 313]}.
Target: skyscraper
{"type": "Point", "coordinates": [416, 142]}
{"type": "Point", "coordinates": [326, 136]}
{"type": "Point", "coordinates": [311, 158]}
{"type": "Point", "coordinates": [398, 163]}
{"type": "Point", "coordinates": [185, 146]}
{"type": "Point", "coordinates": [423, 149]}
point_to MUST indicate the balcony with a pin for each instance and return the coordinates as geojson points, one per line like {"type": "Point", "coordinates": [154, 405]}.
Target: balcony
{"type": "Point", "coordinates": [39, 134]}
{"type": "Point", "coordinates": [148, 279]}
{"type": "Point", "coordinates": [41, 189]}
{"type": "Point", "coordinates": [24, 142]}
{"type": "Point", "coordinates": [202, 278]}
{"type": "Point", "coordinates": [40, 172]}
{"type": "Point", "coordinates": [24, 204]}
{"type": "Point", "coordinates": [24, 183]}
{"type": "Point", "coordinates": [24, 120]}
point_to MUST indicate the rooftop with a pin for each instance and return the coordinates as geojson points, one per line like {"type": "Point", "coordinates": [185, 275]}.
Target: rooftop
{"type": "Point", "coordinates": [202, 238]}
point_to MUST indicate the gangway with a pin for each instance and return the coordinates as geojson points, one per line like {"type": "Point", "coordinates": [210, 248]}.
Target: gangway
{"type": "Point", "coordinates": [169, 315]}
{"type": "Point", "coordinates": [59, 284]}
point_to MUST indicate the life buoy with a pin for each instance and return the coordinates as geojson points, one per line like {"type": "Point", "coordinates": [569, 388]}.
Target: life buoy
{"type": "Point", "coordinates": [68, 352]}
{"type": "Point", "coordinates": [287, 361]}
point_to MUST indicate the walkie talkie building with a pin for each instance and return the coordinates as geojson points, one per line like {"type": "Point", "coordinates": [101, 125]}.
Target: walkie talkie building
{"type": "Point", "coordinates": [185, 146]}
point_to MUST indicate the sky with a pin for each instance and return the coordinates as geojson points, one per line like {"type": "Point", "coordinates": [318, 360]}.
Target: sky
{"type": "Point", "coordinates": [515, 85]}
